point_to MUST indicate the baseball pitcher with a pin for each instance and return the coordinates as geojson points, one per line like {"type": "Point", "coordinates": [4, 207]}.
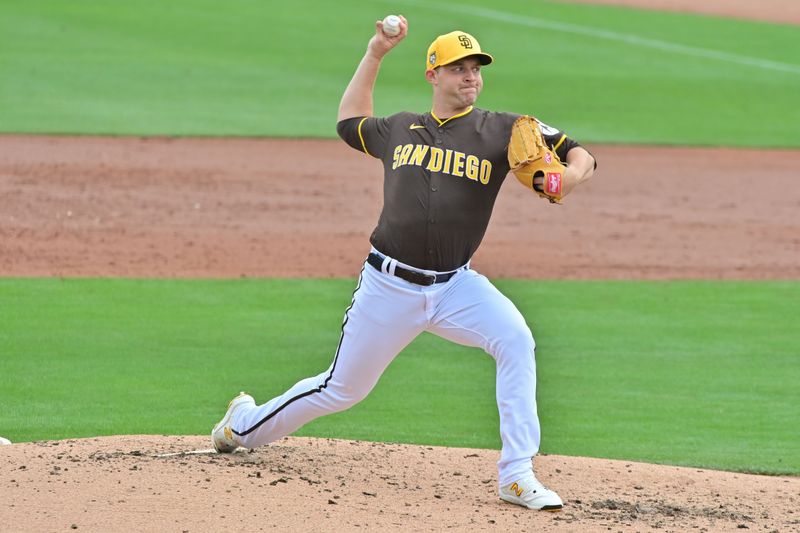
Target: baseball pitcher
{"type": "Point", "coordinates": [442, 172]}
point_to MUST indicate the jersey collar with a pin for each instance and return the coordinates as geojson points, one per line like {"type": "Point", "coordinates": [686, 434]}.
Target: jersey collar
{"type": "Point", "coordinates": [445, 121]}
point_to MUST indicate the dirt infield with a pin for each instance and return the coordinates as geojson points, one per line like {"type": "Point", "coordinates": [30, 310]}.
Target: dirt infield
{"type": "Point", "coordinates": [158, 484]}
{"type": "Point", "coordinates": [86, 206]}
{"type": "Point", "coordinates": [780, 11]}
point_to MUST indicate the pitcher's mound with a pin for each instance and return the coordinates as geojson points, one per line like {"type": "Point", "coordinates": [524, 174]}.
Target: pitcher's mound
{"type": "Point", "coordinates": [161, 483]}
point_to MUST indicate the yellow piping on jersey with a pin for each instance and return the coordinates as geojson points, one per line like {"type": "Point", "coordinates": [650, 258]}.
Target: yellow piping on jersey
{"type": "Point", "coordinates": [445, 121]}
{"type": "Point", "coordinates": [361, 136]}
{"type": "Point", "coordinates": [560, 142]}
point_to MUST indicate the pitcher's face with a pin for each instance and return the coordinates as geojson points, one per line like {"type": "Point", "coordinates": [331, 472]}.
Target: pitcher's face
{"type": "Point", "coordinates": [458, 84]}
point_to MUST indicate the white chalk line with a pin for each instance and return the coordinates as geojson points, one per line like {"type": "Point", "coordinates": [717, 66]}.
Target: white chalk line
{"type": "Point", "coordinates": [532, 22]}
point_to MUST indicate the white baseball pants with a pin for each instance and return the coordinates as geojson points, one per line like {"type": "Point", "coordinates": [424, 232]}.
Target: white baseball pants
{"type": "Point", "coordinates": [386, 314]}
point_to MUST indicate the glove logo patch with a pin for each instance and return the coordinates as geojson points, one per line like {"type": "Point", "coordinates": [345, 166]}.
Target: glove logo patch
{"type": "Point", "coordinates": [548, 158]}
{"type": "Point", "coordinates": [553, 184]}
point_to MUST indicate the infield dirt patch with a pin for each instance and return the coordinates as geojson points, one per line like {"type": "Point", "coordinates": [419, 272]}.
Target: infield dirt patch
{"type": "Point", "coordinates": [90, 206]}
{"type": "Point", "coordinates": [780, 11]}
{"type": "Point", "coordinates": [152, 483]}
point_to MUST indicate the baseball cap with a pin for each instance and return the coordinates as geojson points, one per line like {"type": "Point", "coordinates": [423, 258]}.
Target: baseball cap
{"type": "Point", "coordinates": [446, 49]}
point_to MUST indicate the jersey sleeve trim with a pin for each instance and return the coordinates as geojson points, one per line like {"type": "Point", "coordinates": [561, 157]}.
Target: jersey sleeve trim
{"type": "Point", "coordinates": [560, 142]}
{"type": "Point", "coordinates": [361, 136]}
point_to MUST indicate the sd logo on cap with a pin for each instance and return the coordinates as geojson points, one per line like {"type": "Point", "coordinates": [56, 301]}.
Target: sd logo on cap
{"type": "Point", "coordinates": [446, 49]}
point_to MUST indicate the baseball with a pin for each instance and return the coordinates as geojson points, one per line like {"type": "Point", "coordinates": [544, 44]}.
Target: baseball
{"type": "Point", "coordinates": [391, 25]}
{"type": "Point", "coordinates": [4, 441]}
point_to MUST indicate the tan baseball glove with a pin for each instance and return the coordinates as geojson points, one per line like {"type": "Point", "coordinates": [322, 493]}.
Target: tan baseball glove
{"type": "Point", "coordinates": [533, 163]}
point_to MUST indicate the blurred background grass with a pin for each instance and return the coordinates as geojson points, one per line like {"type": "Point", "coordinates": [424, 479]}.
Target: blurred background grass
{"type": "Point", "coordinates": [692, 373]}
{"type": "Point", "coordinates": [197, 67]}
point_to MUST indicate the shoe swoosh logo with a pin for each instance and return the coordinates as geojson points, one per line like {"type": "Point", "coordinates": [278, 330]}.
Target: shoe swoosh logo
{"type": "Point", "coordinates": [415, 127]}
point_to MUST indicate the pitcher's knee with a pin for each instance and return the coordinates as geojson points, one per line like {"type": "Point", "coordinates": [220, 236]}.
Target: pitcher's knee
{"type": "Point", "coordinates": [342, 397]}
{"type": "Point", "coordinates": [516, 342]}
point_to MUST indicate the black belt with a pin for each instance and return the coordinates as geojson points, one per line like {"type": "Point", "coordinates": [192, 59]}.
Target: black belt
{"type": "Point", "coordinates": [412, 276]}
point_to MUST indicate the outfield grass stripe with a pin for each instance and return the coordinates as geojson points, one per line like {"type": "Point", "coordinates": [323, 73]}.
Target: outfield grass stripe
{"type": "Point", "coordinates": [692, 373]}
{"type": "Point", "coordinates": [644, 42]}
{"type": "Point", "coordinates": [96, 68]}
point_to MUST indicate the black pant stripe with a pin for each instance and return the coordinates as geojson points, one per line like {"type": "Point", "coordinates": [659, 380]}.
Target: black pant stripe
{"type": "Point", "coordinates": [327, 379]}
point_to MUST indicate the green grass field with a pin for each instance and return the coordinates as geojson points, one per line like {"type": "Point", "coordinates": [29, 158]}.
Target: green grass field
{"type": "Point", "coordinates": [693, 373]}
{"type": "Point", "coordinates": [197, 67]}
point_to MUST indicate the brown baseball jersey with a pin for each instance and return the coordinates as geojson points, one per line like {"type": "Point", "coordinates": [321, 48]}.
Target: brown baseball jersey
{"type": "Point", "coordinates": [441, 179]}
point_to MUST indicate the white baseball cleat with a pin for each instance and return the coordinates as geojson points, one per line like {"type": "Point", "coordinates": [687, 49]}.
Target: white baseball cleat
{"type": "Point", "coordinates": [529, 492]}
{"type": "Point", "coordinates": [222, 435]}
